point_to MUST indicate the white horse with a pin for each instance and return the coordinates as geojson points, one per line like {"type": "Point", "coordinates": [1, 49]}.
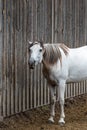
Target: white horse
{"type": "Point", "coordinates": [61, 65]}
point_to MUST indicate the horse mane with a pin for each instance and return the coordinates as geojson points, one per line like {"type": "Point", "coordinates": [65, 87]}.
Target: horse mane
{"type": "Point", "coordinates": [52, 53]}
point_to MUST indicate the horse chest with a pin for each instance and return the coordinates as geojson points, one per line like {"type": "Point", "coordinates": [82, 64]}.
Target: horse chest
{"type": "Point", "coordinates": [51, 77]}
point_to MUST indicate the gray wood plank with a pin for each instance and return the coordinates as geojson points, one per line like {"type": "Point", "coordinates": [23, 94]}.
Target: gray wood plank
{"type": "Point", "coordinates": [9, 74]}
{"type": "Point", "coordinates": [4, 61]}
{"type": "Point", "coordinates": [1, 42]}
{"type": "Point", "coordinates": [85, 21]}
{"type": "Point", "coordinates": [12, 62]}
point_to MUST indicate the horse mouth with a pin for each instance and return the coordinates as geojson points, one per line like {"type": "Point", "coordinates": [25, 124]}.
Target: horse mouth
{"type": "Point", "coordinates": [31, 66]}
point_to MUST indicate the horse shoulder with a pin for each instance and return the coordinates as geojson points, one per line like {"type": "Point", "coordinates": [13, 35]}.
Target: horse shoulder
{"type": "Point", "coordinates": [49, 76]}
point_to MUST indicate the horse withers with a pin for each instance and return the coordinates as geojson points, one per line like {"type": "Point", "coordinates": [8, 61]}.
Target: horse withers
{"type": "Point", "coordinates": [61, 65]}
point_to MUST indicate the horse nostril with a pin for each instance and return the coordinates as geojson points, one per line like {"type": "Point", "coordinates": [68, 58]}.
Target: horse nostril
{"type": "Point", "coordinates": [32, 62]}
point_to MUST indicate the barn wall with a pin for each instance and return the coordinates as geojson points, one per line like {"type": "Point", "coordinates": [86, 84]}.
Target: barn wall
{"type": "Point", "coordinates": [23, 20]}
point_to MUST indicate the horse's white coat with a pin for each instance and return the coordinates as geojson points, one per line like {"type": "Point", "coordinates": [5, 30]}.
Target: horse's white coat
{"type": "Point", "coordinates": [72, 69]}
{"type": "Point", "coordinates": [77, 64]}
{"type": "Point", "coordinates": [74, 66]}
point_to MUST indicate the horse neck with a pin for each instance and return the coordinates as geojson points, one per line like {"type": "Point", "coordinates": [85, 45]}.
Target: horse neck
{"type": "Point", "coordinates": [45, 65]}
{"type": "Point", "coordinates": [49, 50]}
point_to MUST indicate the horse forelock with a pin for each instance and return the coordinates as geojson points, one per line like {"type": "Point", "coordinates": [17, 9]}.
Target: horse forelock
{"type": "Point", "coordinates": [52, 53]}
{"type": "Point", "coordinates": [34, 43]}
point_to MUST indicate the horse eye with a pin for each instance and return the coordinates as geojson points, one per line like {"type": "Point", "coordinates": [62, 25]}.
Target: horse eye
{"type": "Point", "coordinates": [40, 50]}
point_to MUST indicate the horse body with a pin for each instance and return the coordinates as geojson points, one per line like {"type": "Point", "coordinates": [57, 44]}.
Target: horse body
{"type": "Point", "coordinates": [61, 65]}
{"type": "Point", "coordinates": [73, 68]}
{"type": "Point", "coordinates": [77, 64]}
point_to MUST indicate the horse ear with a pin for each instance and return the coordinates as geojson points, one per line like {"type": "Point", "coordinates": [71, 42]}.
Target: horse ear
{"type": "Point", "coordinates": [29, 42]}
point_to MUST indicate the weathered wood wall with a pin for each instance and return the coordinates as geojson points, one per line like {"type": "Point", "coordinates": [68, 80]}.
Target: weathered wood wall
{"type": "Point", "coordinates": [22, 20]}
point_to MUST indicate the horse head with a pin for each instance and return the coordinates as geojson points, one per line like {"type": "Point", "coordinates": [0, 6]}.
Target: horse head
{"type": "Point", "coordinates": [36, 51]}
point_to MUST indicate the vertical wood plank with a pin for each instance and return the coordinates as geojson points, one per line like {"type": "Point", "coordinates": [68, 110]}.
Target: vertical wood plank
{"type": "Point", "coordinates": [44, 80]}
{"type": "Point", "coordinates": [4, 61]}
{"type": "Point", "coordinates": [55, 24]}
{"type": "Point", "coordinates": [21, 57]}
{"type": "Point", "coordinates": [1, 55]}
{"type": "Point", "coordinates": [0, 41]}
{"type": "Point", "coordinates": [24, 99]}
{"type": "Point", "coordinates": [16, 36]}
{"type": "Point", "coordinates": [73, 22]}
{"type": "Point", "coordinates": [52, 21]}
{"type": "Point", "coordinates": [85, 21]}
{"type": "Point", "coordinates": [71, 36]}
{"type": "Point", "coordinates": [12, 63]}
{"type": "Point", "coordinates": [29, 38]}
{"type": "Point", "coordinates": [64, 20]}
{"type": "Point", "coordinates": [81, 22]}
{"type": "Point", "coordinates": [9, 76]}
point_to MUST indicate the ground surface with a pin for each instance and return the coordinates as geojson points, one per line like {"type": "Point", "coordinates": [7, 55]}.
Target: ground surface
{"type": "Point", "coordinates": [76, 117]}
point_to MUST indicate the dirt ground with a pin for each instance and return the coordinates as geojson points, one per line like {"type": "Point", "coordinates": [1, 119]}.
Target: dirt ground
{"type": "Point", "coordinates": [76, 117]}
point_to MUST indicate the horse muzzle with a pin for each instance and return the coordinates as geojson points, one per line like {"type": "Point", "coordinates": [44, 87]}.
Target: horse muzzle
{"type": "Point", "coordinates": [31, 65]}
